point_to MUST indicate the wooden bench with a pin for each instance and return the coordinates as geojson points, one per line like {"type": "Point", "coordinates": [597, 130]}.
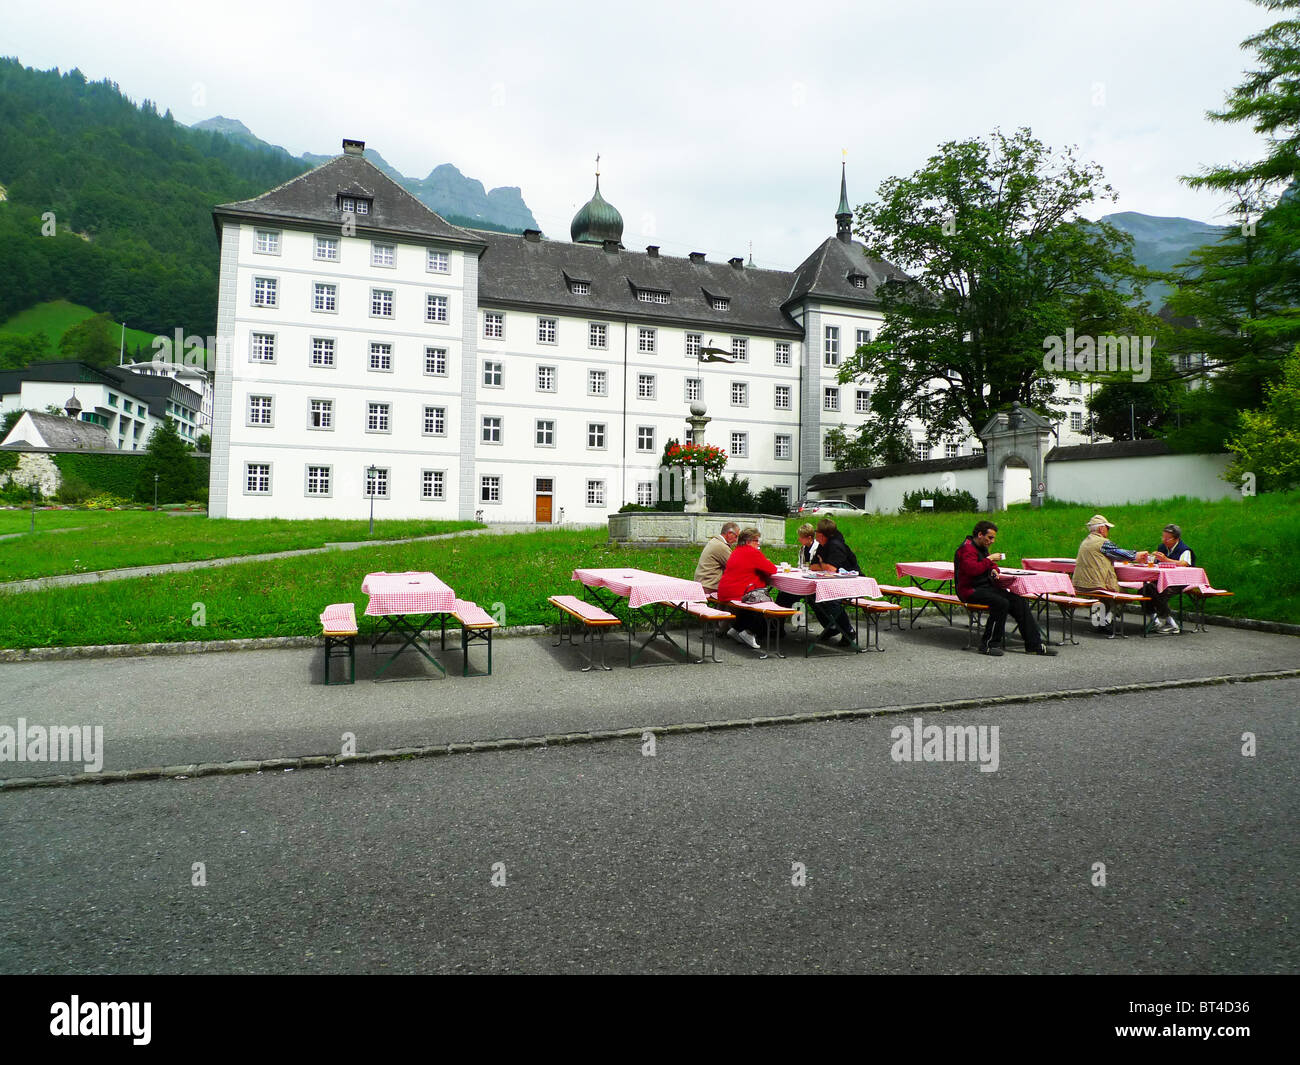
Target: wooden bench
{"type": "Point", "coordinates": [874, 610]}
{"type": "Point", "coordinates": [974, 611]}
{"type": "Point", "coordinates": [708, 617]}
{"type": "Point", "coordinates": [476, 626]}
{"type": "Point", "coordinates": [1068, 604]}
{"type": "Point", "coordinates": [1121, 600]}
{"type": "Point", "coordinates": [592, 618]}
{"type": "Point", "coordinates": [1200, 594]}
{"type": "Point", "coordinates": [772, 614]}
{"type": "Point", "coordinates": [339, 627]}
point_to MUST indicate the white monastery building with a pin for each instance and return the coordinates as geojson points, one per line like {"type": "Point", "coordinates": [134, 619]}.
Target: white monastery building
{"type": "Point", "coordinates": [367, 346]}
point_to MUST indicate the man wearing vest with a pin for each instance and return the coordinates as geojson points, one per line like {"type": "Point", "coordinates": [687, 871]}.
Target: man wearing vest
{"type": "Point", "coordinates": [1094, 568]}
{"type": "Point", "coordinates": [1172, 549]}
{"type": "Point", "coordinates": [974, 570]}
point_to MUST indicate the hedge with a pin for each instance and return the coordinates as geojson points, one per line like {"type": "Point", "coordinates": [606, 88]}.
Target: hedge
{"type": "Point", "coordinates": [113, 473]}
{"type": "Point", "coordinates": [8, 460]}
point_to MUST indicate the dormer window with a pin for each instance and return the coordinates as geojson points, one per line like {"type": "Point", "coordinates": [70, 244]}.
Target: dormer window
{"type": "Point", "coordinates": [577, 287]}
{"type": "Point", "coordinates": [651, 295]}
{"type": "Point", "coordinates": [858, 280]}
{"type": "Point", "coordinates": [355, 204]}
{"type": "Point", "coordinates": [719, 303]}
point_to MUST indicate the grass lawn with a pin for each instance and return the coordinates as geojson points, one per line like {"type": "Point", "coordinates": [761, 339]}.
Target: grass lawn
{"type": "Point", "coordinates": [78, 541]}
{"type": "Point", "coordinates": [1232, 539]}
{"type": "Point", "coordinates": [56, 317]}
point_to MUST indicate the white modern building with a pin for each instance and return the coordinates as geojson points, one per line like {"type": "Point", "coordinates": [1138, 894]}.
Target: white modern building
{"type": "Point", "coordinates": [366, 346]}
{"type": "Point", "coordinates": [192, 377]}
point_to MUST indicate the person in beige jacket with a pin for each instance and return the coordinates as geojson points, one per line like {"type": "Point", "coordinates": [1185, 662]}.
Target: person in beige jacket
{"type": "Point", "coordinates": [713, 559]}
{"type": "Point", "coordinates": [1094, 567]}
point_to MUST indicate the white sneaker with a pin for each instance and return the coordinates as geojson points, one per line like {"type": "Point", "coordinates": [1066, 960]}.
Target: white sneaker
{"type": "Point", "coordinates": [748, 637]}
{"type": "Point", "coordinates": [1169, 624]}
{"type": "Point", "coordinates": [733, 634]}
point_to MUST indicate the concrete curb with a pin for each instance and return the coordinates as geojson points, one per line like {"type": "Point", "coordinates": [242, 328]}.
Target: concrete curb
{"type": "Point", "coordinates": [324, 761]}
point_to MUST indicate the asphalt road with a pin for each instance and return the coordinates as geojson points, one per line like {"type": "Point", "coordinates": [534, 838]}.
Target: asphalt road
{"type": "Point", "coordinates": [683, 862]}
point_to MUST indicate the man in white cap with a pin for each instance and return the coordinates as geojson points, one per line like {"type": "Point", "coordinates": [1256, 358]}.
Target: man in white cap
{"type": "Point", "coordinates": [1094, 569]}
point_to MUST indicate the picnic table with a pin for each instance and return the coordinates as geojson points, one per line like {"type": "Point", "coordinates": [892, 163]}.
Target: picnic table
{"type": "Point", "coordinates": [654, 597]}
{"type": "Point", "coordinates": [406, 603]}
{"type": "Point", "coordinates": [824, 587]}
{"type": "Point", "coordinates": [1030, 583]}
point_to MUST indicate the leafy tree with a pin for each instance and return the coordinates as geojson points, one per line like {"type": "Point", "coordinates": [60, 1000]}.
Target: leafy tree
{"type": "Point", "coordinates": [19, 350]}
{"type": "Point", "coordinates": [167, 456]}
{"type": "Point", "coordinates": [1138, 409]}
{"type": "Point", "coordinates": [90, 341]}
{"type": "Point", "coordinates": [1268, 440]}
{"type": "Point", "coordinates": [204, 444]}
{"type": "Point", "coordinates": [1000, 260]}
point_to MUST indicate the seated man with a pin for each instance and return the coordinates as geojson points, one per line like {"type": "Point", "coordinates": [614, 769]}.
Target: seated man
{"type": "Point", "coordinates": [1094, 568]}
{"type": "Point", "coordinates": [1172, 549]}
{"type": "Point", "coordinates": [713, 559]}
{"type": "Point", "coordinates": [833, 555]}
{"type": "Point", "coordinates": [973, 572]}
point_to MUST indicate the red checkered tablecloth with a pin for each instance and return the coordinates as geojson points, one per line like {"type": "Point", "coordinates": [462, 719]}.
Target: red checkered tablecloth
{"type": "Point", "coordinates": [1041, 582]}
{"type": "Point", "coordinates": [1164, 576]}
{"type": "Point", "coordinates": [1053, 565]}
{"type": "Point", "coordinates": [926, 571]}
{"type": "Point", "coordinates": [641, 588]}
{"type": "Point", "coordinates": [407, 593]}
{"type": "Point", "coordinates": [827, 587]}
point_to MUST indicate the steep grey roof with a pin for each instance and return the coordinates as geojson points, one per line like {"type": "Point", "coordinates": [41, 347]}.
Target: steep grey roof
{"type": "Point", "coordinates": [61, 434]}
{"type": "Point", "coordinates": [825, 274]}
{"type": "Point", "coordinates": [313, 197]}
{"type": "Point", "coordinates": [518, 272]}
{"type": "Point", "coordinates": [155, 391]}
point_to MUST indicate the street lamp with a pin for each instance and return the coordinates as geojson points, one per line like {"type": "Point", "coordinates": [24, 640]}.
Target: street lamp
{"type": "Point", "coordinates": [155, 491]}
{"type": "Point", "coordinates": [370, 484]}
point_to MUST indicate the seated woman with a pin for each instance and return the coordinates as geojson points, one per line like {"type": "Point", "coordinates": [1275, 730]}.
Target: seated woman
{"type": "Point", "coordinates": [745, 580]}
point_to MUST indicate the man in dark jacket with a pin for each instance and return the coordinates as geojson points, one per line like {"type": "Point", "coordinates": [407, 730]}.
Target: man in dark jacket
{"type": "Point", "coordinates": [973, 571]}
{"type": "Point", "coordinates": [833, 555]}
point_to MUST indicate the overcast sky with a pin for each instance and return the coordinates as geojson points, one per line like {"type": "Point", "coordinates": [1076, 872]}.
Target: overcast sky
{"type": "Point", "coordinates": [718, 124]}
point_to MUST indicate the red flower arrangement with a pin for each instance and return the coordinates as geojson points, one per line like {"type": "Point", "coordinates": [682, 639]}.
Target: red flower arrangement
{"type": "Point", "coordinates": [708, 457]}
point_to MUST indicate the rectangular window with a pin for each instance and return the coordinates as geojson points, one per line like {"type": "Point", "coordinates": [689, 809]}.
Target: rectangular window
{"type": "Point", "coordinates": [381, 302]}
{"type": "Point", "coordinates": [694, 341]}
{"type": "Point", "coordinates": [595, 493]}
{"type": "Point", "coordinates": [863, 337]}
{"type": "Point", "coordinates": [784, 491]}
{"type": "Point", "coordinates": [862, 401]}
{"type": "Point", "coordinates": [546, 330]}
{"type": "Point", "coordinates": [493, 373]}
{"type": "Point", "coordinates": [376, 482]}
{"type": "Point", "coordinates": [435, 308]}
{"type": "Point", "coordinates": [580, 288]}
{"type": "Point", "coordinates": [126, 406]}
{"type": "Point", "coordinates": [597, 383]}
{"type": "Point", "coordinates": [597, 334]}
{"type": "Point", "coordinates": [951, 451]}
{"type": "Point", "coordinates": [322, 414]}
{"type": "Point", "coordinates": [1076, 387]}
{"type": "Point", "coordinates": [645, 493]}
{"type": "Point", "coordinates": [781, 447]}
{"type": "Point", "coordinates": [377, 417]}
{"type": "Point", "coordinates": [546, 379]}
{"type": "Point", "coordinates": [266, 292]}
{"type": "Point", "coordinates": [739, 394]}
{"type": "Point", "coordinates": [318, 480]}
{"type": "Point", "coordinates": [324, 297]}
{"type": "Point", "coordinates": [650, 295]}
{"type": "Point", "coordinates": [782, 353]}
{"type": "Point", "coordinates": [263, 347]}
{"type": "Point", "coordinates": [830, 399]}
{"type": "Point", "coordinates": [977, 450]}
{"type": "Point", "coordinates": [719, 303]}
{"type": "Point", "coordinates": [645, 386]}
{"type": "Point", "coordinates": [327, 249]}
{"type": "Point", "coordinates": [381, 356]}
{"type": "Point", "coordinates": [435, 362]}
{"type": "Point", "coordinates": [645, 341]}
{"type": "Point", "coordinates": [828, 448]}
{"type": "Point", "coordinates": [693, 388]}
{"type": "Point", "coordinates": [354, 205]}
{"type": "Point", "coordinates": [433, 484]}
{"type": "Point", "coordinates": [489, 489]}
{"type": "Point", "coordinates": [645, 438]}
{"type": "Point", "coordinates": [322, 351]}
{"type": "Point", "coordinates": [259, 410]}
{"type": "Point", "coordinates": [492, 429]}
{"type": "Point", "coordinates": [383, 255]}
{"type": "Point", "coordinates": [739, 445]}
{"type": "Point", "coordinates": [112, 401]}
{"type": "Point", "coordinates": [545, 432]}
{"type": "Point", "coordinates": [740, 349]}
{"type": "Point", "coordinates": [494, 325]}
{"type": "Point", "coordinates": [923, 450]}
{"type": "Point", "coordinates": [1076, 420]}
{"type": "Point", "coordinates": [781, 397]}
{"type": "Point", "coordinates": [831, 347]}
{"type": "Point", "coordinates": [257, 478]}
{"type": "Point", "coordinates": [267, 242]}
{"type": "Point", "coordinates": [596, 434]}
{"type": "Point", "coordinates": [435, 421]}
{"type": "Point", "coordinates": [438, 262]}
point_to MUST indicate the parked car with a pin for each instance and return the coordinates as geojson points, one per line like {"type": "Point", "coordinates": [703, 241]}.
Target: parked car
{"type": "Point", "coordinates": [818, 507]}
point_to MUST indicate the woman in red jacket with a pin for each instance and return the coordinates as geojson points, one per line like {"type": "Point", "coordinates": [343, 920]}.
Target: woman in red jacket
{"type": "Point", "coordinates": [747, 571]}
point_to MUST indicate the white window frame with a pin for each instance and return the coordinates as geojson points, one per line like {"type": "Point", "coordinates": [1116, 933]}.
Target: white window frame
{"type": "Point", "coordinates": [437, 262]}
{"type": "Point", "coordinates": [325, 297]}
{"type": "Point", "coordinates": [260, 413]}
{"type": "Point", "coordinates": [548, 378]}
{"type": "Point", "coordinates": [323, 245]}
{"type": "Point", "coordinates": [595, 493]}
{"type": "Point", "coordinates": [494, 374]}
{"type": "Point", "coordinates": [862, 401]}
{"type": "Point", "coordinates": [376, 358]}
{"type": "Point", "coordinates": [597, 382]}
{"type": "Point", "coordinates": [646, 386]}
{"type": "Point", "coordinates": [739, 393]}
{"type": "Point", "coordinates": [266, 292]}
{"type": "Point", "coordinates": [779, 393]}
{"type": "Point", "coordinates": [494, 325]}
{"type": "Point", "coordinates": [492, 429]}
{"type": "Point", "coordinates": [645, 438]}
{"type": "Point", "coordinates": [262, 347]}
{"type": "Point", "coordinates": [781, 353]}
{"type": "Point", "coordinates": [739, 445]}
{"type": "Point", "coordinates": [694, 342]}
{"type": "Point", "coordinates": [739, 349]}
{"type": "Point", "coordinates": [382, 482]}
{"type": "Point", "coordinates": [645, 340]}
{"type": "Point", "coordinates": [433, 485]}
{"type": "Point", "coordinates": [328, 478]}
{"type": "Point", "coordinates": [548, 329]}
{"type": "Point", "coordinates": [383, 303]}
{"type": "Point", "coordinates": [544, 432]}
{"type": "Point", "coordinates": [379, 417]}
{"type": "Point", "coordinates": [598, 336]}
{"type": "Point", "coordinates": [489, 489]}
{"type": "Point", "coordinates": [788, 440]}
{"type": "Point", "coordinates": [831, 346]}
{"type": "Point", "coordinates": [272, 245]}
{"type": "Point", "coordinates": [597, 436]}
{"type": "Point", "coordinates": [248, 472]}
{"type": "Point", "coordinates": [694, 389]}
{"type": "Point", "coordinates": [438, 356]}
{"type": "Point", "coordinates": [439, 418]}
{"type": "Point", "coordinates": [319, 359]}
{"type": "Point", "coordinates": [324, 414]}
{"type": "Point", "coordinates": [830, 398]}
{"type": "Point", "coordinates": [435, 307]}
{"type": "Point", "coordinates": [383, 255]}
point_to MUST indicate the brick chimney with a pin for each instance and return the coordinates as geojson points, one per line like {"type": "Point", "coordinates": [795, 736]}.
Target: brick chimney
{"type": "Point", "coordinates": [351, 147]}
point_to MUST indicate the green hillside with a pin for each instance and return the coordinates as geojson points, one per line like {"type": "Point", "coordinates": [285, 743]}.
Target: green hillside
{"type": "Point", "coordinates": [110, 204]}
{"type": "Point", "coordinates": [56, 317]}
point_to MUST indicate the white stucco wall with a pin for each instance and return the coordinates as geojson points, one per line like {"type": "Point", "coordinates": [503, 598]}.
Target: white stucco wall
{"type": "Point", "coordinates": [1139, 480]}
